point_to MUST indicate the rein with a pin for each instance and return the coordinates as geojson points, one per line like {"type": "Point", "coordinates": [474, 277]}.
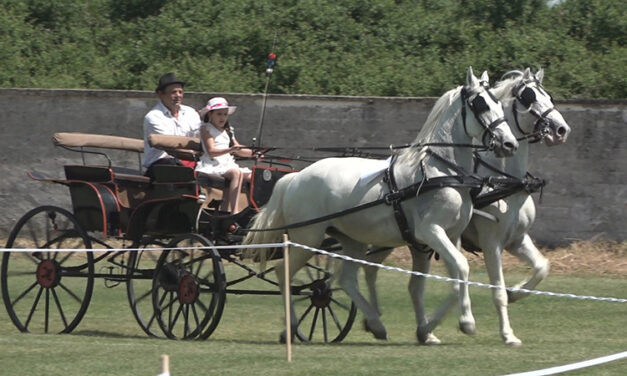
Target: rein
{"type": "Point", "coordinates": [504, 185]}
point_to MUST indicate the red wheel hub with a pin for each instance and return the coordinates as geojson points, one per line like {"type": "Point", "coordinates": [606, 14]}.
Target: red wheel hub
{"type": "Point", "coordinates": [188, 289]}
{"type": "Point", "coordinates": [48, 273]}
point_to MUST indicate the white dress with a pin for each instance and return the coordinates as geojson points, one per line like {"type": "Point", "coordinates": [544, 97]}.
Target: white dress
{"type": "Point", "coordinates": [222, 163]}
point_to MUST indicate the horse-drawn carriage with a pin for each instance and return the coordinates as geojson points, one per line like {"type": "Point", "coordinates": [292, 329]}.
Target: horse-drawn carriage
{"type": "Point", "coordinates": [173, 264]}
{"type": "Point", "coordinates": [164, 238]}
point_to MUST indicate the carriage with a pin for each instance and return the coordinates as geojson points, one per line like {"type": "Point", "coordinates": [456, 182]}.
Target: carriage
{"type": "Point", "coordinates": [183, 290]}
{"type": "Point", "coordinates": [164, 238]}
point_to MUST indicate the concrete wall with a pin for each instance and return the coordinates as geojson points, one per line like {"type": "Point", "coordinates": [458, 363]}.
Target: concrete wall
{"type": "Point", "coordinates": [586, 197]}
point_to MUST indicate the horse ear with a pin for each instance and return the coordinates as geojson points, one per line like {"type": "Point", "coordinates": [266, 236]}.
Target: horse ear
{"type": "Point", "coordinates": [527, 75]}
{"type": "Point", "coordinates": [471, 80]}
{"type": "Point", "coordinates": [540, 75]}
{"type": "Point", "coordinates": [484, 77]}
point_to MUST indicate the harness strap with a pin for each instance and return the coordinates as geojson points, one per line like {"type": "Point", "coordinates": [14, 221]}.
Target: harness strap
{"type": "Point", "coordinates": [396, 196]}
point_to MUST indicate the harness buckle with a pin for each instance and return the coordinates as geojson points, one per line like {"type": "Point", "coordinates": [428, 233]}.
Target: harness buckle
{"type": "Point", "coordinates": [392, 197]}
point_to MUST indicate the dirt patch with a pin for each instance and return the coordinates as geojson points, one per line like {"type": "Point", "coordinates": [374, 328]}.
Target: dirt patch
{"type": "Point", "coordinates": [608, 258]}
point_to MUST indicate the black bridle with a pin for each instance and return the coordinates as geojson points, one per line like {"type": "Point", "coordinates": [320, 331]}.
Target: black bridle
{"type": "Point", "coordinates": [527, 96]}
{"type": "Point", "coordinates": [478, 105]}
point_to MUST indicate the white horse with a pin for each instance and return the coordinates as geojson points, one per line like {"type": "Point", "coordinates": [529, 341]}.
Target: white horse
{"type": "Point", "coordinates": [530, 108]}
{"type": "Point", "coordinates": [436, 217]}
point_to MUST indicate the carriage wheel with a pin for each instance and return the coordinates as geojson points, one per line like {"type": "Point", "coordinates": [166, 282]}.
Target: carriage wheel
{"type": "Point", "coordinates": [189, 288]}
{"type": "Point", "coordinates": [46, 291]}
{"type": "Point", "coordinates": [325, 313]}
{"type": "Point", "coordinates": [141, 267]}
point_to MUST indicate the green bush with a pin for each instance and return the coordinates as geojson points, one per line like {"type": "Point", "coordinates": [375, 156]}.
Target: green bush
{"type": "Point", "coordinates": [328, 47]}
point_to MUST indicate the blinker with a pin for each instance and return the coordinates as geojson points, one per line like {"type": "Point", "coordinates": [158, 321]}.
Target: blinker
{"type": "Point", "coordinates": [527, 97]}
{"type": "Point", "coordinates": [479, 105]}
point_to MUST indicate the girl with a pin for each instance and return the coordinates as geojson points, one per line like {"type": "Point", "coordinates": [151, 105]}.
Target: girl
{"type": "Point", "coordinates": [219, 146]}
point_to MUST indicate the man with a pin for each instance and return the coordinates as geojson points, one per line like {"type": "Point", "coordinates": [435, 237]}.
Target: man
{"type": "Point", "coordinates": [168, 117]}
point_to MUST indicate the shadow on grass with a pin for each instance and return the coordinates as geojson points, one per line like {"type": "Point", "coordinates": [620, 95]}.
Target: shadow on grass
{"type": "Point", "coordinates": [101, 333]}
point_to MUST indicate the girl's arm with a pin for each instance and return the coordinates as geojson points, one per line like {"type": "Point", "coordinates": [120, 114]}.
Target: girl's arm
{"type": "Point", "coordinates": [240, 150]}
{"type": "Point", "coordinates": [209, 143]}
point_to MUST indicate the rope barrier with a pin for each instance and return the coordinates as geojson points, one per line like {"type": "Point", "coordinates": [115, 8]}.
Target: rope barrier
{"type": "Point", "coordinates": [448, 279]}
{"type": "Point", "coordinates": [333, 255]}
{"type": "Point", "coordinates": [573, 366]}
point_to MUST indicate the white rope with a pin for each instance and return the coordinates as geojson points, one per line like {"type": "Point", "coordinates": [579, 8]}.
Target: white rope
{"type": "Point", "coordinates": [334, 255]}
{"type": "Point", "coordinates": [448, 279]}
{"type": "Point", "coordinates": [573, 366]}
{"type": "Point", "coordinates": [68, 250]}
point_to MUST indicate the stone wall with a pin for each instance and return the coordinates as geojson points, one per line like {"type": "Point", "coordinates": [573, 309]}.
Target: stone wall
{"type": "Point", "coordinates": [586, 197]}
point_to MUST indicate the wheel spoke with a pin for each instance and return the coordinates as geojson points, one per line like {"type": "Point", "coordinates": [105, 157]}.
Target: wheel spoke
{"type": "Point", "coordinates": [33, 308]}
{"type": "Point", "coordinates": [58, 304]}
{"type": "Point", "coordinates": [302, 317]}
{"type": "Point", "coordinates": [202, 306]}
{"type": "Point", "coordinates": [142, 297]}
{"type": "Point", "coordinates": [334, 317]}
{"type": "Point", "coordinates": [176, 316]}
{"type": "Point", "coordinates": [64, 259]}
{"type": "Point", "coordinates": [195, 314]}
{"type": "Point", "coordinates": [313, 323]}
{"type": "Point", "coordinates": [340, 304]}
{"type": "Point", "coordinates": [14, 302]}
{"type": "Point", "coordinates": [47, 310]}
{"type": "Point", "coordinates": [67, 289]}
{"type": "Point", "coordinates": [324, 325]}
{"type": "Point", "coordinates": [186, 318]}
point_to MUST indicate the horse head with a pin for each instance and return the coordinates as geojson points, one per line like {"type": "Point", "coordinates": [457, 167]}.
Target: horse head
{"type": "Point", "coordinates": [488, 123]}
{"type": "Point", "coordinates": [546, 122]}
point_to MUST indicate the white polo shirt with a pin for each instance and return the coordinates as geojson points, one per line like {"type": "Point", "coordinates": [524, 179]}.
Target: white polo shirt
{"type": "Point", "coordinates": [159, 120]}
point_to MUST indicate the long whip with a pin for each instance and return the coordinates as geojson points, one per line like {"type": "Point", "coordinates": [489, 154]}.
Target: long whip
{"type": "Point", "coordinates": [269, 71]}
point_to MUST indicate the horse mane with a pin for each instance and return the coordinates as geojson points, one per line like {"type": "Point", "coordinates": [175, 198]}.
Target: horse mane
{"type": "Point", "coordinates": [436, 127]}
{"type": "Point", "coordinates": [503, 88]}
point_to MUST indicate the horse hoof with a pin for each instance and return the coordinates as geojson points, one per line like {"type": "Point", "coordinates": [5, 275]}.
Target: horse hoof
{"type": "Point", "coordinates": [513, 297]}
{"type": "Point", "coordinates": [512, 341]}
{"type": "Point", "coordinates": [431, 340]}
{"type": "Point", "coordinates": [425, 337]}
{"type": "Point", "coordinates": [376, 328]}
{"type": "Point", "coordinates": [467, 328]}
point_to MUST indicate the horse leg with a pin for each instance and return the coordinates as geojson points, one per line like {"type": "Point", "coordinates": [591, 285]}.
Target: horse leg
{"type": "Point", "coordinates": [458, 268]}
{"type": "Point", "coordinates": [298, 259]}
{"type": "Point", "coordinates": [349, 283]}
{"type": "Point", "coordinates": [492, 257]}
{"type": "Point", "coordinates": [421, 262]}
{"type": "Point", "coordinates": [528, 252]}
{"type": "Point", "coordinates": [370, 274]}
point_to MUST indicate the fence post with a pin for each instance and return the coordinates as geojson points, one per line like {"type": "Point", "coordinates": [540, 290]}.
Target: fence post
{"type": "Point", "coordinates": [287, 289]}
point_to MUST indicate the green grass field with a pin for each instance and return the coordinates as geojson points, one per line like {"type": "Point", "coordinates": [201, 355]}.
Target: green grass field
{"type": "Point", "coordinates": [554, 331]}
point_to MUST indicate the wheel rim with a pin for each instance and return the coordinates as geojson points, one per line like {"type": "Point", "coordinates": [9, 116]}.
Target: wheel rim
{"type": "Point", "coordinates": [142, 265]}
{"type": "Point", "coordinates": [46, 291]}
{"type": "Point", "coordinates": [189, 288]}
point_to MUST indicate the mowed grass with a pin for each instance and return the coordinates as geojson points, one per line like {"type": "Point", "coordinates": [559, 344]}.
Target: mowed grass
{"type": "Point", "coordinates": [554, 331]}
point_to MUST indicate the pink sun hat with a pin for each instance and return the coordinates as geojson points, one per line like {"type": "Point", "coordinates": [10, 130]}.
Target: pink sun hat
{"type": "Point", "coordinates": [216, 103]}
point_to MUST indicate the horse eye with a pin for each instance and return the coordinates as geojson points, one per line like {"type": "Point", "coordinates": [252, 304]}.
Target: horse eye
{"type": "Point", "coordinates": [479, 105]}
{"type": "Point", "coordinates": [528, 96]}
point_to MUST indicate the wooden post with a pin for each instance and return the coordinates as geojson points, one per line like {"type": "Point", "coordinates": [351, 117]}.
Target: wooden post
{"type": "Point", "coordinates": [165, 365]}
{"type": "Point", "coordinates": [287, 288]}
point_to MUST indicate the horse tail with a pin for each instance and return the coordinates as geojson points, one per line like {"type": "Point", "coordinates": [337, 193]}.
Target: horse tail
{"type": "Point", "coordinates": [270, 216]}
